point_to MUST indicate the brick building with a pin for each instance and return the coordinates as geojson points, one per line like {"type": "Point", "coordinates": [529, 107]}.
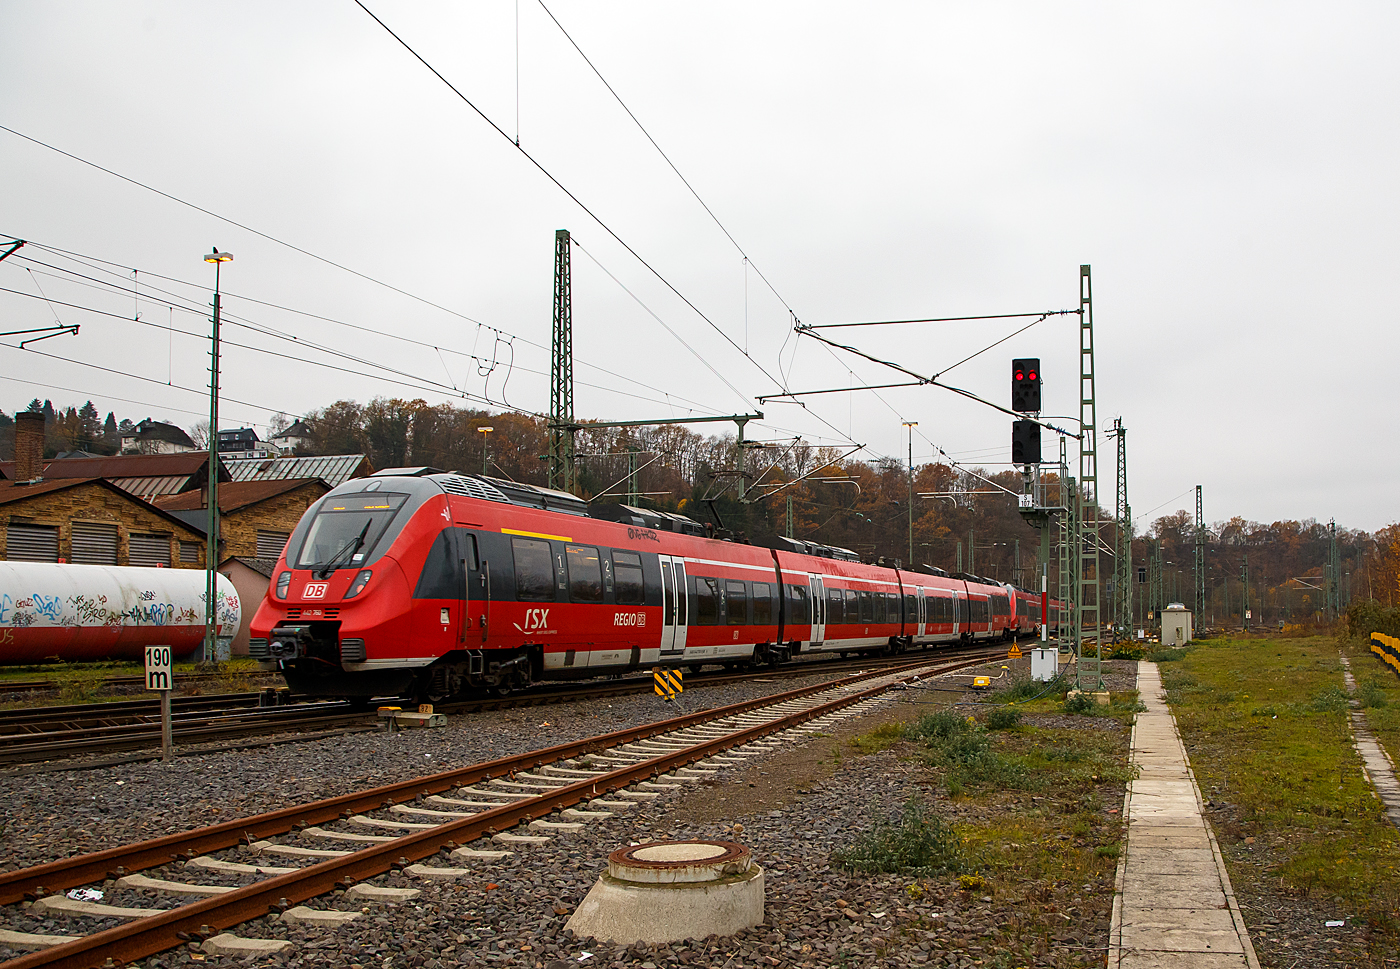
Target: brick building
{"type": "Point", "coordinates": [255, 517]}
{"type": "Point", "coordinates": [92, 522]}
{"type": "Point", "coordinates": [144, 475]}
{"type": "Point", "coordinates": [83, 519]}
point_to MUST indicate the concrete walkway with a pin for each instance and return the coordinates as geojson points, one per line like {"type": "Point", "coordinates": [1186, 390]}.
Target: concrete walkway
{"type": "Point", "coordinates": [1174, 907]}
{"type": "Point", "coordinates": [1380, 771]}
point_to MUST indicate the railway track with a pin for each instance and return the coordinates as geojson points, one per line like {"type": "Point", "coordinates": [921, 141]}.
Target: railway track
{"type": "Point", "coordinates": [50, 733]}
{"type": "Point", "coordinates": [283, 859]}
{"type": "Point", "coordinates": [134, 681]}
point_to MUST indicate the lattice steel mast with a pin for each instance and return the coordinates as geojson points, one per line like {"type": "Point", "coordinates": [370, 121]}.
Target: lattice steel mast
{"type": "Point", "coordinates": [1200, 617]}
{"type": "Point", "coordinates": [561, 373]}
{"type": "Point", "coordinates": [1088, 605]}
{"type": "Point", "coordinates": [1123, 559]}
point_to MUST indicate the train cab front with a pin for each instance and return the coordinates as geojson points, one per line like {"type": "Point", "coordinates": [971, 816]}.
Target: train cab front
{"type": "Point", "coordinates": [335, 589]}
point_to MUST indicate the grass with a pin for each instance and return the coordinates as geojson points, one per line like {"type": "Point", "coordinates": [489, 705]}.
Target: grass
{"type": "Point", "coordinates": [1265, 722]}
{"type": "Point", "coordinates": [917, 843]}
{"type": "Point", "coordinates": [1034, 824]}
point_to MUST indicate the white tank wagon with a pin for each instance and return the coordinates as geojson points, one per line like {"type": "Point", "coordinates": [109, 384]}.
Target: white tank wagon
{"type": "Point", "coordinates": [92, 612]}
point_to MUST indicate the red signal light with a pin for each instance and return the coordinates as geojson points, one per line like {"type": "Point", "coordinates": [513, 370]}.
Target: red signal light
{"type": "Point", "coordinates": [1032, 375]}
{"type": "Point", "coordinates": [1021, 376]}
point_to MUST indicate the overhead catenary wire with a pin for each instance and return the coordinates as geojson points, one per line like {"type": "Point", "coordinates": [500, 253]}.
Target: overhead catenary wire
{"type": "Point", "coordinates": [87, 259]}
{"type": "Point", "coordinates": [748, 261]}
{"type": "Point", "coordinates": [572, 197]}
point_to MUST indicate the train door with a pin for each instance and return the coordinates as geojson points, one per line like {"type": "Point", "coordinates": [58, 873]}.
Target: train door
{"type": "Point", "coordinates": [922, 616]}
{"type": "Point", "coordinates": [471, 613]}
{"type": "Point", "coordinates": [818, 609]}
{"type": "Point", "coordinates": [673, 608]}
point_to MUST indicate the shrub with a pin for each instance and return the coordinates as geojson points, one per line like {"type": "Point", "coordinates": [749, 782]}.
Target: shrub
{"type": "Point", "coordinates": [938, 725]}
{"type": "Point", "coordinates": [1366, 616]}
{"type": "Point", "coordinates": [1028, 689]}
{"type": "Point", "coordinates": [1079, 703]}
{"type": "Point", "coordinates": [918, 843]}
{"type": "Point", "coordinates": [1003, 718]}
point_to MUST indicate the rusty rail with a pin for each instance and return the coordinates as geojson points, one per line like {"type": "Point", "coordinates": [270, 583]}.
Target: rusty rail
{"type": "Point", "coordinates": [157, 933]}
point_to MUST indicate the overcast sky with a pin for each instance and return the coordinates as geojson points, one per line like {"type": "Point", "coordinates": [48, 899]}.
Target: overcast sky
{"type": "Point", "coordinates": [1229, 172]}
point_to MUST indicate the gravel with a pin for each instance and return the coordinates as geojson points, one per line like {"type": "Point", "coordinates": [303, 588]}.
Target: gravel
{"type": "Point", "coordinates": [513, 912]}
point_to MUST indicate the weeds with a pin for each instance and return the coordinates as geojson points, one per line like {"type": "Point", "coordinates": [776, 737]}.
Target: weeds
{"type": "Point", "coordinates": [1022, 691]}
{"type": "Point", "coordinates": [918, 843]}
{"type": "Point", "coordinates": [960, 746]}
{"type": "Point", "coordinates": [1372, 694]}
{"type": "Point", "coordinates": [1003, 718]}
{"type": "Point", "coordinates": [79, 685]}
{"type": "Point", "coordinates": [881, 738]}
{"type": "Point", "coordinates": [1331, 700]}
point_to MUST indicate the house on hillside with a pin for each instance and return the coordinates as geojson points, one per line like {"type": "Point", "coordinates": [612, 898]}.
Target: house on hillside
{"type": "Point", "coordinates": [297, 436]}
{"type": "Point", "coordinates": [242, 442]}
{"type": "Point", "coordinates": [255, 517]}
{"type": "Point", "coordinates": [155, 437]}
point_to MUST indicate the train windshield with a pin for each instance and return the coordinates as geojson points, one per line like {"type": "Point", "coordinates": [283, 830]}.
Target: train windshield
{"type": "Point", "coordinates": [345, 530]}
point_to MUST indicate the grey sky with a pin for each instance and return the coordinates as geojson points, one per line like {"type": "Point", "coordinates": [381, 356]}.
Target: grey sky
{"type": "Point", "coordinates": [1228, 171]}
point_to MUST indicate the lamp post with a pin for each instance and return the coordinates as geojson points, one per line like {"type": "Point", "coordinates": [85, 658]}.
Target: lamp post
{"type": "Point", "coordinates": [484, 429]}
{"type": "Point", "coordinates": [211, 550]}
{"type": "Point", "coordinates": [911, 425]}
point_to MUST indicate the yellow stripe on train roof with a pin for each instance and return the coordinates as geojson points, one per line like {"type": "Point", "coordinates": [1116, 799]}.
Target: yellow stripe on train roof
{"type": "Point", "coordinates": [557, 538]}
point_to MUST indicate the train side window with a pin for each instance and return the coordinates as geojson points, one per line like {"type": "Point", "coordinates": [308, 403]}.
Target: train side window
{"type": "Point", "coordinates": [736, 600]}
{"type": "Point", "coordinates": [628, 589]}
{"type": "Point", "coordinates": [835, 606]}
{"type": "Point", "coordinates": [762, 604]}
{"type": "Point", "coordinates": [585, 574]}
{"type": "Point", "coordinates": [797, 603]}
{"type": "Point", "coordinates": [706, 601]}
{"type": "Point", "coordinates": [863, 604]}
{"type": "Point", "coordinates": [534, 570]}
{"type": "Point", "coordinates": [852, 606]}
{"type": "Point", "coordinates": [911, 608]}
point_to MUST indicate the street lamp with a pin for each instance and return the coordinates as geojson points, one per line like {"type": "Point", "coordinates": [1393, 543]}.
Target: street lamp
{"type": "Point", "coordinates": [484, 429]}
{"type": "Point", "coordinates": [211, 550]}
{"type": "Point", "coordinates": [911, 425]}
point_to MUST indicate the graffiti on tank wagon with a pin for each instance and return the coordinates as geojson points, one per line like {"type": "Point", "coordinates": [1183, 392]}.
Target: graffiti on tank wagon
{"type": "Point", "coordinates": [97, 610]}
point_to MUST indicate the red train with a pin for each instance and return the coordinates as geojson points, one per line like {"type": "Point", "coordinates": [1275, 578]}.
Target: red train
{"type": "Point", "coordinates": [419, 582]}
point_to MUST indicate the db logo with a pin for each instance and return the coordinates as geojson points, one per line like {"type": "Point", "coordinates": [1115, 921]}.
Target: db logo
{"type": "Point", "coordinates": [315, 590]}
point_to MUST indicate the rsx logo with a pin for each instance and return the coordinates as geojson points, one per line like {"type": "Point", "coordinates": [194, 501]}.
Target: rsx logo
{"type": "Point", "coordinates": [534, 619]}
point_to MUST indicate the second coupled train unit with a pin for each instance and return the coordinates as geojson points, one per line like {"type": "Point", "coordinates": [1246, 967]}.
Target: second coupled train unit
{"type": "Point", "coordinates": [419, 582]}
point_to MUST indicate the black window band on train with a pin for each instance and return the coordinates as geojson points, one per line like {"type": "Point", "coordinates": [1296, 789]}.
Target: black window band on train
{"type": "Point", "coordinates": [628, 586]}
{"type": "Point", "coordinates": [736, 603]}
{"type": "Point", "coordinates": [707, 601]}
{"type": "Point", "coordinates": [534, 570]}
{"type": "Point", "coordinates": [585, 573]}
{"type": "Point", "coordinates": [798, 613]}
{"type": "Point", "coordinates": [762, 604]}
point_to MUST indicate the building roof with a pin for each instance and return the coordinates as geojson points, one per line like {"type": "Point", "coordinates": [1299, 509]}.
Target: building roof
{"type": "Point", "coordinates": [261, 566]}
{"type": "Point", "coordinates": [12, 493]}
{"type": "Point", "coordinates": [143, 475]}
{"type": "Point", "coordinates": [236, 495]}
{"type": "Point", "coordinates": [333, 469]}
{"type": "Point", "coordinates": [299, 428]}
{"type": "Point", "coordinates": [149, 430]}
{"type": "Point", "coordinates": [187, 463]}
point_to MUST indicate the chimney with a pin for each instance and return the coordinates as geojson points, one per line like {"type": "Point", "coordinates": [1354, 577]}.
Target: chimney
{"type": "Point", "coordinates": [29, 447]}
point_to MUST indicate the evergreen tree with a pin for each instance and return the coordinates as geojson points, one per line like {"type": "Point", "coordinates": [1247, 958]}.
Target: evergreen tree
{"type": "Point", "coordinates": [111, 435]}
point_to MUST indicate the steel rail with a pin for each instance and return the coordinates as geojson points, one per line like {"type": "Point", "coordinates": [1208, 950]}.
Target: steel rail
{"type": "Point", "coordinates": [198, 920]}
{"type": "Point", "coordinates": [16, 886]}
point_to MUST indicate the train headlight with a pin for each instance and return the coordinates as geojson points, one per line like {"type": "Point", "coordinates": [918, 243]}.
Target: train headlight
{"type": "Point", "coordinates": [359, 584]}
{"type": "Point", "coordinates": [283, 581]}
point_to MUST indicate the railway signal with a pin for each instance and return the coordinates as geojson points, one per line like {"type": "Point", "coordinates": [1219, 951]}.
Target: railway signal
{"type": "Point", "coordinates": [1025, 442]}
{"type": "Point", "coordinates": [1025, 384]}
